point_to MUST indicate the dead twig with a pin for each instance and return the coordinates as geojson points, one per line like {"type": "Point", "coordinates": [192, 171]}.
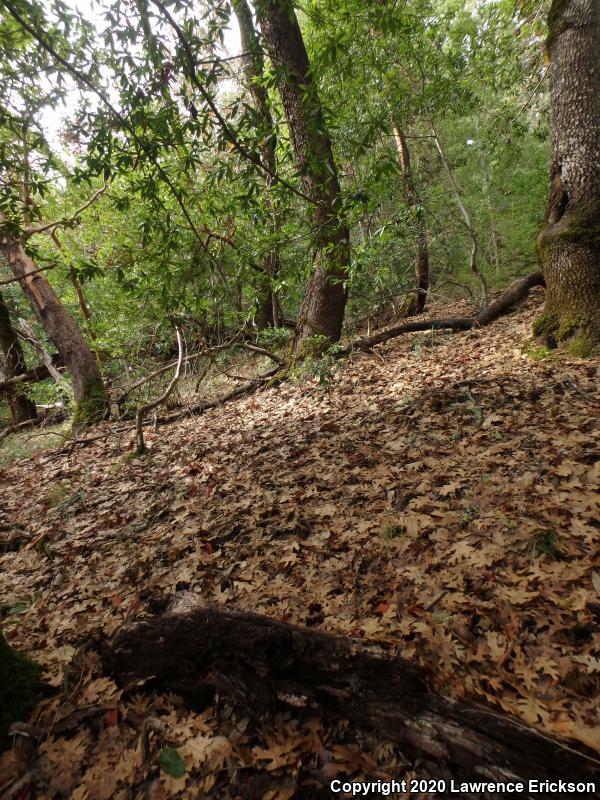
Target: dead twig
{"type": "Point", "coordinates": [143, 410]}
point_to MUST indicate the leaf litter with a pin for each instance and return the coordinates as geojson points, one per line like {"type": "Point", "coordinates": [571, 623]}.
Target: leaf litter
{"type": "Point", "coordinates": [440, 496]}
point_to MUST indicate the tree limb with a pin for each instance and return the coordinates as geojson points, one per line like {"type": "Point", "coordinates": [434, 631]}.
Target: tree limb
{"type": "Point", "coordinates": [143, 410]}
{"type": "Point", "coordinates": [509, 298]}
{"type": "Point", "coordinates": [51, 226]}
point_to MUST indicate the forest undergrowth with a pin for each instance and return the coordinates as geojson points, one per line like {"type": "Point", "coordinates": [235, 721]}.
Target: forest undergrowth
{"type": "Point", "coordinates": [438, 495]}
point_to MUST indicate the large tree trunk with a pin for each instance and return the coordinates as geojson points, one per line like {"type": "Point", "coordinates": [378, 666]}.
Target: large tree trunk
{"type": "Point", "coordinates": [22, 408]}
{"type": "Point", "coordinates": [88, 387]}
{"type": "Point", "coordinates": [322, 312]}
{"type": "Point", "coordinates": [265, 664]}
{"type": "Point", "coordinates": [569, 244]}
{"type": "Point", "coordinates": [254, 71]}
{"type": "Point", "coordinates": [417, 301]}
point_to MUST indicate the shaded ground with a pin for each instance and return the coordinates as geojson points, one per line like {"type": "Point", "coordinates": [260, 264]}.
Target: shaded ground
{"type": "Point", "coordinates": [439, 495]}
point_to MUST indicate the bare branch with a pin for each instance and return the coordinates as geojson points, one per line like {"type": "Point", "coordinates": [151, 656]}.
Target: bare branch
{"type": "Point", "coordinates": [143, 410]}
{"type": "Point", "coordinates": [51, 226]}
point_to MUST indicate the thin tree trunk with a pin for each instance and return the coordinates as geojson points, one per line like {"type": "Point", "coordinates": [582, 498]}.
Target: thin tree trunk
{"type": "Point", "coordinates": [490, 204]}
{"type": "Point", "coordinates": [21, 407]}
{"type": "Point", "coordinates": [569, 244]}
{"type": "Point", "coordinates": [322, 312]}
{"type": "Point", "coordinates": [464, 213]}
{"type": "Point", "coordinates": [90, 393]}
{"type": "Point", "coordinates": [417, 303]}
{"type": "Point", "coordinates": [254, 71]}
{"type": "Point", "coordinates": [83, 306]}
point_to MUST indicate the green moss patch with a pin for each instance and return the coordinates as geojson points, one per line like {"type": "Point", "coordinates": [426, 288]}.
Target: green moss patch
{"type": "Point", "coordinates": [94, 404]}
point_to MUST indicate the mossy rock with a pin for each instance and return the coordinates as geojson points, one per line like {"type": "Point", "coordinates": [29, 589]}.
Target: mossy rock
{"type": "Point", "coordinates": [18, 688]}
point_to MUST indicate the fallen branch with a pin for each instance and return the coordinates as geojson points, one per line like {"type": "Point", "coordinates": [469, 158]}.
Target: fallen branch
{"type": "Point", "coordinates": [264, 664]}
{"type": "Point", "coordinates": [33, 375]}
{"type": "Point", "coordinates": [42, 419]}
{"type": "Point", "coordinates": [239, 391]}
{"type": "Point", "coordinates": [517, 291]}
{"type": "Point", "coordinates": [143, 410]}
{"type": "Point", "coordinates": [189, 359]}
{"type": "Point", "coordinates": [26, 332]}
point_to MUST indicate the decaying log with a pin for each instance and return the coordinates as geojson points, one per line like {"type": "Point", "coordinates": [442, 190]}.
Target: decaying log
{"type": "Point", "coordinates": [516, 292]}
{"type": "Point", "coordinates": [263, 663]}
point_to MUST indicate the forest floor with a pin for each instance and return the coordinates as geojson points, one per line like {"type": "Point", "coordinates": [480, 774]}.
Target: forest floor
{"type": "Point", "coordinates": [439, 495]}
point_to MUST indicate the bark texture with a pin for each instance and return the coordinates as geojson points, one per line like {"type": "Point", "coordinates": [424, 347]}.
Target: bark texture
{"type": "Point", "coordinates": [569, 244]}
{"type": "Point", "coordinates": [22, 408]}
{"type": "Point", "coordinates": [90, 393]}
{"type": "Point", "coordinates": [265, 664]}
{"type": "Point", "coordinates": [254, 70]}
{"type": "Point", "coordinates": [413, 201]}
{"type": "Point", "coordinates": [322, 312]}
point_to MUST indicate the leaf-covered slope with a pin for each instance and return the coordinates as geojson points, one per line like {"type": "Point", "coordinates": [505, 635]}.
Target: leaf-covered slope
{"type": "Point", "coordinates": [440, 496]}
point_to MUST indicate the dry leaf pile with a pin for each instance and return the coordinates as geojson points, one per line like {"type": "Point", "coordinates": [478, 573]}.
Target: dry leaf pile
{"type": "Point", "coordinates": [440, 495]}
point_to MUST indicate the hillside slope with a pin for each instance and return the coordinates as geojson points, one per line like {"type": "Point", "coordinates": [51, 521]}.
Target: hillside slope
{"type": "Point", "coordinates": [439, 495]}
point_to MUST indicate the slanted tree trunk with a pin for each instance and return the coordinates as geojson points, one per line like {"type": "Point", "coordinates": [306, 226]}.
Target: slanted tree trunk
{"type": "Point", "coordinates": [569, 244]}
{"type": "Point", "coordinates": [322, 312]}
{"type": "Point", "coordinates": [417, 301]}
{"type": "Point", "coordinates": [254, 70]}
{"type": "Point", "coordinates": [21, 407]}
{"type": "Point", "coordinates": [90, 393]}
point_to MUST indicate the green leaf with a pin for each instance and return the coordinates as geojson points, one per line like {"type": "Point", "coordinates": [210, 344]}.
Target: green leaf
{"type": "Point", "coordinates": [171, 762]}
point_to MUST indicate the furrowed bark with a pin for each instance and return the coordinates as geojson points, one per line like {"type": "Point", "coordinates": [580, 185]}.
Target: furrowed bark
{"type": "Point", "coordinates": [264, 665]}
{"type": "Point", "coordinates": [569, 244]}
{"type": "Point", "coordinates": [322, 312]}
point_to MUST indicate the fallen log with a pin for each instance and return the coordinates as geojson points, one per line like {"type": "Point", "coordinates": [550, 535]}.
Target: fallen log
{"type": "Point", "coordinates": [264, 664]}
{"type": "Point", "coordinates": [513, 294]}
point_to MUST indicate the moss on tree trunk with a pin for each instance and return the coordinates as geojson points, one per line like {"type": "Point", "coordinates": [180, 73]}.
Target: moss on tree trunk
{"type": "Point", "coordinates": [18, 688]}
{"type": "Point", "coordinates": [570, 259]}
{"type": "Point", "coordinates": [93, 405]}
{"type": "Point", "coordinates": [569, 244]}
